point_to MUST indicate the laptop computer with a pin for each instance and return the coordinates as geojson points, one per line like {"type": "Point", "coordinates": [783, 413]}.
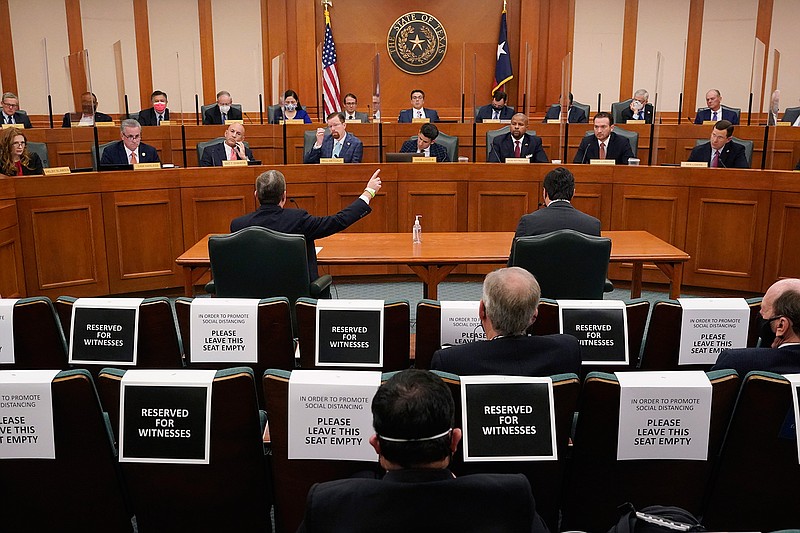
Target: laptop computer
{"type": "Point", "coordinates": [400, 157]}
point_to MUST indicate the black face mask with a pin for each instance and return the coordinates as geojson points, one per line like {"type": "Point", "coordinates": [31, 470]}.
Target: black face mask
{"type": "Point", "coordinates": [765, 332]}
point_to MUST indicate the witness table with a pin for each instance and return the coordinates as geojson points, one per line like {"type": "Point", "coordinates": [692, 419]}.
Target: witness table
{"type": "Point", "coordinates": [439, 253]}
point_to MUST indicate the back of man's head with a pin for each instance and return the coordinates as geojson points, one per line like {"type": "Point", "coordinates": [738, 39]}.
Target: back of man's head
{"type": "Point", "coordinates": [270, 186]}
{"type": "Point", "coordinates": [787, 305]}
{"type": "Point", "coordinates": [559, 184]}
{"type": "Point", "coordinates": [510, 297]}
{"type": "Point", "coordinates": [413, 414]}
{"type": "Point", "coordinates": [500, 95]}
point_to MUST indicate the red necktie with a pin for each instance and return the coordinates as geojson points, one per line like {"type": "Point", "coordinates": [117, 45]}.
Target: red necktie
{"type": "Point", "coordinates": [602, 150]}
{"type": "Point", "coordinates": [715, 159]}
{"type": "Point", "coordinates": [233, 154]}
{"type": "Point", "coordinates": [133, 158]}
{"type": "Point", "coordinates": [516, 149]}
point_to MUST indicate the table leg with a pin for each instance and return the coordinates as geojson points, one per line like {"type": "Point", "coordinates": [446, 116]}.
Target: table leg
{"type": "Point", "coordinates": [431, 276]}
{"type": "Point", "coordinates": [674, 271]}
{"type": "Point", "coordinates": [188, 283]}
{"type": "Point", "coordinates": [636, 280]}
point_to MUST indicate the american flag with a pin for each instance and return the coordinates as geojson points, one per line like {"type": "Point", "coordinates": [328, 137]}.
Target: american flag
{"type": "Point", "coordinates": [330, 76]}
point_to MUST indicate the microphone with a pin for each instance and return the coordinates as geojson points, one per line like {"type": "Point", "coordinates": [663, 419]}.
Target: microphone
{"type": "Point", "coordinates": [294, 202]}
{"type": "Point", "coordinates": [249, 120]}
{"type": "Point", "coordinates": [586, 149]}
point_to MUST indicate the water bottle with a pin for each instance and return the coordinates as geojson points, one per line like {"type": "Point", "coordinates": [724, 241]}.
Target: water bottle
{"type": "Point", "coordinates": [416, 231]}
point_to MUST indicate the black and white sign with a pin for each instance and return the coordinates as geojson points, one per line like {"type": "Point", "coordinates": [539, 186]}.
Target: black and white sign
{"type": "Point", "coordinates": [349, 333]}
{"type": "Point", "coordinates": [601, 327]}
{"type": "Point", "coordinates": [710, 326]}
{"type": "Point", "coordinates": [165, 416]}
{"type": "Point", "coordinates": [460, 323]}
{"type": "Point", "coordinates": [26, 414]}
{"type": "Point", "coordinates": [104, 331]}
{"type": "Point", "coordinates": [224, 330]}
{"type": "Point", "coordinates": [508, 418]}
{"type": "Point", "coordinates": [7, 330]}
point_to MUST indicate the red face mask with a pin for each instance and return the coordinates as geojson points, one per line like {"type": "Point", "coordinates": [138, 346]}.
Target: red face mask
{"type": "Point", "coordinates": [159, 107]}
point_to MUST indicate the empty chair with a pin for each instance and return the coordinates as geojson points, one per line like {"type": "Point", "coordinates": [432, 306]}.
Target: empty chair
{"type": "Point", "coordinates": [396, 334]}
{"type": "Point", "coordinates": [597, 482]}
{"type": "Point", "coordinates": [38, 337]}
{"type": "Point", "coordinates": [292, 479]}
{"type": "Point", "coordinates": [789, 115]}
{"type": "Point", "coordinates": [79, 490]}
{"type": "Point", "coordinates": [756, 483]}
{"type": "Point", "coordinates": [41, 150]}
{"type": "Point", "coordinates": [567, 264]}
{"type": "Point", "coordinates": [231, 493]}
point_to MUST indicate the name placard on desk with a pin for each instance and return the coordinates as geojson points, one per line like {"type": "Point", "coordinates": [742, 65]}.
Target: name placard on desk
{"type": "Point", "coordinates": [352, 121]}
{"type": "Point", "coordinates": [146, 166]}
{"type": "Point", "coordinates": [491, 121]}
{"type": "Point", "coordinates": [639, 121]}
{"type": "Point", "coordinates": [240, 121]}
{"type": "Point", "coordinates": [553, 121]}
{"type": "Point", "coordinates": [56, 171]}
{"type": "Point", "coordinates": [235, 163]}
{"type": "Point", "coordinates": [782, 123]}
{"type": "Point", "coordinates": [602, 162]}
{"type": "Point", "coordinates": [105, 124]}
{"type": "Point", "coordinates": [165, 123]}
{"type": "Point", "coordinates": [331, 160]}
{"type": "Point", "coordinates": [22, 126]}
{"type": "Point", "coordinates": [694, 164]}
{"type": "Point", "coordinates": [423, 160]}
{"type": "Point", "coordinates": [709, 122]}
{"type": "Point", "coordinates": [518, 160]}
{"type": "Point", "coordinates": [292, 121]}
{"type": "Point", "coordinates": [422, 120]}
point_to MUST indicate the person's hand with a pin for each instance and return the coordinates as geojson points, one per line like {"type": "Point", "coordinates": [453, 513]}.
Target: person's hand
{"type": "Point", "coordinates": [375, 181]}
{"type": "Point", "coordinates": [320, 135]}
{"type": "Point", "coordinates": [239, 147]}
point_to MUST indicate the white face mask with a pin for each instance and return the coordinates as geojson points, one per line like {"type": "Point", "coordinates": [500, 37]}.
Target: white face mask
{"type": "Point", "coordinates": [290, 107]}
{"type": "Point", "coordinates": [637, 105]}
{"type": "Point", "coordinates": [224, 109]}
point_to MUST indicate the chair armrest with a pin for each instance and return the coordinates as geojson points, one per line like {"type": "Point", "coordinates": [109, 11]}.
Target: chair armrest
{"type": "Point", "coordinates": [608, 287]}
{"type": "Point", "coordinates": [319, 287]}
{"type": "Point", "coordinates": [211, 288]}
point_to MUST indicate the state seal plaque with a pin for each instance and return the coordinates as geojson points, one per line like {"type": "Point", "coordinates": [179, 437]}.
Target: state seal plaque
{"type": "Point", "coordinates": [417, 42]}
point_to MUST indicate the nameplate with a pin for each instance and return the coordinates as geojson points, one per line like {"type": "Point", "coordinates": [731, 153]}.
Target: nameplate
{"type": "Point", "coordinates": [640, 121]}
{"type": "Point", "coordinates": [21, 126]}
{"type": "Point", "coordinates": [331, 160]}
{"type": "Point", "coordinates": [694, 164]}
{"type": "Point", "coordinates": [601, 327]}
{"type": "Point", "coordinates": [423, 160]}
{"type": "Point", "coordinates": [105, 124]}
{"type": "Point", "coordinates": [491, 121]}
{"type": "Point", "coordinates": [709, 122]}
{"type": "Point", "coordinates": [234, 163]}
{"type": "Point", "coordinates": [26, 413]}
{"type": "Point", "coordinates": [349, 333]}
{"type": "Point", "coordinates": [55, 171]}
{"type": "Point", "coordinates": [711, 325]}
{"type": "Point", "coordinates": [80, 125]}
{"type": "Point", "coordinates": [240, 121]}
{"type": "Point", "coordinates": [663, 415]}
{"type": "Point", "coordinates": [352, 121]}
{"type": "Point", "coordinates": [292, 121]}
{"type": "Point", "coordinates": [146, 166]}
{"type": "Point", "coordinates": [553, 121]}
{"type": "Point", "coordinates": [782, 123]}
{"type": "Point", "coordinates": [518, 160]}
{"type": "Point", "coordinates": [165, 123]}
{"type": "Point", "coordinates": [422, 120]}
{"type": "Point", "coordinates": [602, 162]}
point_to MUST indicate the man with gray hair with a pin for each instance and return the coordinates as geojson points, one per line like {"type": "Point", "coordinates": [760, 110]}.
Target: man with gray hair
{"type": "Point", "coordinates": [130, 149]}
{"type": "Point", "coordinates": [11, 114]}
{"type": "Point", "coordinates": [639, 108]}
{"type": "Point", "coordinates": [507, 308]}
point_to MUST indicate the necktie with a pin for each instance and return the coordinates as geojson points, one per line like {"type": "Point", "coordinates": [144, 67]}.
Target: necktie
{"type": "Point", "coordinates": [160, 118]}
{"type": "Point", "coordinates": [715, 159]}
{"type": "Point", "coordinates": [602, 150]}
{"type": "Point", "coordinates": [234, 157]}
{"type": "Point", "coordinates": [337, 148]}
{"type": "Point", "coordinates": [496, 114]}
{"type": "Point", "coordinates": [714, 116]}
{"type": "Point", "coordinates": [517, 150]}
{"type": "Point", "coordinates": [224, 117]}
{"type": "Point", "coordinates": [134, 160]}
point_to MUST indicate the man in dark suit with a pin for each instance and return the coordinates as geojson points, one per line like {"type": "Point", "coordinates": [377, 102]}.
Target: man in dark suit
{"type": "Point", "coordinates": [780, 335]}
{"type": "Point", "coordinates": [413, 414]}
{"type": "Point", "coordinates": [271, 195]}
{"type": "Point", "coordinates": [516, 143]}
{"type": "Point", "coordinates": [639, 108]}
{"type": "Point", "coordinates": [792, 115]}
{"type": "Point", "coordinates": [715, 111]}
{"type": "Point", "coordinates": [231, 149]}
{"type": "Point", "coordinates": [576, 115]}
{"type": "Point", "coordinates": [604, 144]}
{"type": "Point", "coordinates": [497, 110]}
{"type": "Point", "coordinates": [130, 149]}
{"type": "Point", "coordinates": [350, 103]}
{"type": "Point", "coordinates": [338, 144]}
{"type": "Point", "coordinates": [89, 114]}
{"type": "Point", "coordinates": [417, 109]}
{"type": "Point", "coordinates": [721, 151]}
{"type": "Point", "coordinates": [154, 115]}
{"type": "Point", "coordinates": [508, 307]}
{"type": "Point", "coordinates": [425, 145]}
{"type": "Point", "coordinates": [11, 114]}
{"type": "Point", "coordinates": [223, 111]}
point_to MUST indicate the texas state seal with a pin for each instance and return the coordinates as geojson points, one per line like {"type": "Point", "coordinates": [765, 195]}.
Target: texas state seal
{"type": "Point", "coordinates": [417, 42]}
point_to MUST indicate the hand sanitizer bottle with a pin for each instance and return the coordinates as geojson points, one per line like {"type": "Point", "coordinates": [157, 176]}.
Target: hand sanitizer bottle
{"type": "Point", "coordinates": [416, 231]}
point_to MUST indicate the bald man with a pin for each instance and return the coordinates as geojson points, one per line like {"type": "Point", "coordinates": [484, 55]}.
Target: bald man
{"type": "Point", "coordinates": [516, 143]}
{"type": "Point", "coordinates": [231, 148]}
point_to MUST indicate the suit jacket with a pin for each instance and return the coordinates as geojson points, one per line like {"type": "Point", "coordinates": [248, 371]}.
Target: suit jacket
{"type": "Point", "coordinates": [789, 116]}
{"type": "Point", "coordinates": [486, 112]}
{"type": "Point", "coordinates": [149, 117]}
{"type": "Point", "coordinates": [407, 115]}
{"type": "Point", "coordinates": [576, 114]}
{"type": "Point", "coordinates": [732, 156]}
{"type": "Point", "coordinates": [298, 221]}
{"type": "Point", "coordinates": [360, 115]}
{"type": "Point", "coordinates": [214, 116]}
{"type": "Point", "coordinates": [34, 167]}
{"type": "Point", "coordinates": [66, 122]}
{"type": "Point", "coordinates": [214, 155]}
{"type": "Point", "coordinates": [743, 360]}
{"type": "Point", "coordinates": [705, 114]}
{"type": "Point", "coordinates": [352, 150]}
{"type": "Point", "coordinates": [627, 114]}
{"type": "Point", "coordinates": [423, 500]}
{"type": "Point", "coordinates": [503, 147]}
{"type": "Point", "coordinates": [21, 118]}
{"type": "Point", "coordinates": [520, 355]}
{"type": "Point", "coordinates": [557, 216]}
{"type": "Point", "coordinates": [437, 150]}
{"type": "Point", "coordinates": [115, 154]}
{"type": "Point", "coordinates": [618, 148]}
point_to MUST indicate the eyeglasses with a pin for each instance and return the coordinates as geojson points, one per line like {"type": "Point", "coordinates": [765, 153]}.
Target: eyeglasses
{"type": "Point", "coordinates": [19, 143]}
{"type": "Point", "coordinates": [6, 104]}
{"type": "Point", "coordinates": [132, 137]}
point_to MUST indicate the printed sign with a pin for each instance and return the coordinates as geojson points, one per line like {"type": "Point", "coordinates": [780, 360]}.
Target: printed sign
{"type": "Point", "coordinates": [460, 323]}
{"type": "Point", "coordinates": [224, 330]}
{"type": "Point", "coordinates": [508, 418]}
{"type": "Point", "coordinates": [664, 415]}
{"type": "Point", "coordinates": [26, 414]}
{"type": "Point", "coordinates": [7, 331]}
{"type": "Point", "coordinates": [601, 327]}
{"type": "Point", "coordinates": [330, 416]}
{"type": "Point", "coordinates": [104, 331]}
{"type": "Point", "coordinates": [349, 333]}
{"type": "Point", "coordinates": [794, 379]}
{"type": "Point", "coordinates": [165, 416]}
{"type": "Point", "coordinates": [711, 325]}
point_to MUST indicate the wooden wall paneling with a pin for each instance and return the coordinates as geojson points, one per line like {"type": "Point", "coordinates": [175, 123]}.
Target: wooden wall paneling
{"type": "Point", "coordinates": [8, 70]}
{"type": "Point", "coordinates": [304, 77]}
{"type": "Point", "coordinates": [630, 24]}
{"type": "Point", "coordinates": [143, 238]}
{"type": "Point", "coordinates": [355, 73]}
{"type": "Point", "coordinates": [12, 273]}
{"type": "Point", "coordinates": [783, 234]}
{"type": "Point", "coordinates": [763, 33]}
{"type": "Point", "coordinates": [211, 209]}
{"type": "Point", "coordinates": [266, 56]}
{"type": "Point", "coordinates": [498, 206]}
{"type": "Point", "coordinates": [483, 56]}
{"type": "Point", "coordinates": [593, 199]}
{"type": "Point", "coordinates": [694, 35]}
{"type": "Point", "coordinates": [206, 23]}
{"type": "Point", "coordinates": [530, 33]}
{"type": "Point", "coordinates": [785, 143]}
{"type": "Point", "coordinates": [726, 238]}
{"type": "Point", "coordinates": [77, 67]}
{"type": "Point", "coordinates": [559, 27]}
{"type": "Point", "coordinates": [63, 245]}
{"type": "Point", "coordinates": [143, 61]}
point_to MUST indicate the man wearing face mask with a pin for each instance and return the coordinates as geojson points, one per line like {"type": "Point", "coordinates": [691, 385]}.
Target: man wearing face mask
{"type": "Point", "coordinates": [223, 111]}
{"type": "Point", "coordinates": [496, 110]}
{"type": "Point", "coordinates": [154, 115]}
{"type": "Point", "coordinates": [639, 108]}
{"type": "Point", "coordinates": [780, 335]}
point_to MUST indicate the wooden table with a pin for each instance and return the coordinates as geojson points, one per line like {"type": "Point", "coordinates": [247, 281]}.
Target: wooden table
{"type": "Point", "coordinates": [440, 253]}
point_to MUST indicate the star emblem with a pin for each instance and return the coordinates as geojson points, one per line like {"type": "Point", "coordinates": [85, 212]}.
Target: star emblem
{"type": "Point", "coordinates": [417, 42]}
{"type": "Point", "coordinates": [501, 49]}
